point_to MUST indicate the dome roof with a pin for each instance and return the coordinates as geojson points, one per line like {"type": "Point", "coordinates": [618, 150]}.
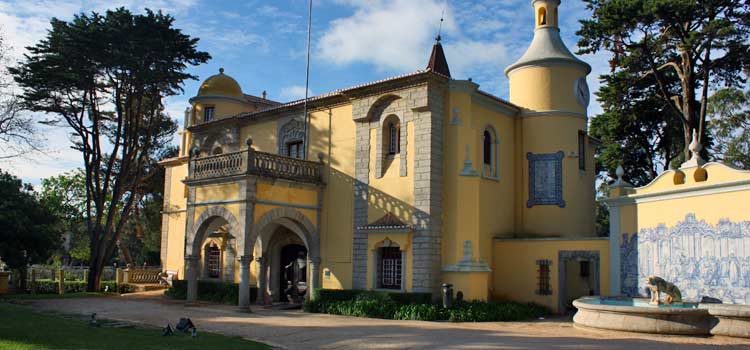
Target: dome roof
{"type": "Point", "coordinates": [547, 48]}
{"type": "Point", "coordinates": [220, 85]}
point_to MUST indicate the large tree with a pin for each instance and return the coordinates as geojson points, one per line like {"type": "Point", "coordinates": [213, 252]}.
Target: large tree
{"type": "Point", "coordinates": [697, 44]}
{"type": "Point", "coordinates": [29, 231]}
{"type": "Point", "coordinates": [105, 77]}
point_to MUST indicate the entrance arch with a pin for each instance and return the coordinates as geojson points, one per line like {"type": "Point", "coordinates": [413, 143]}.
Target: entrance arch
{"type": "Point", "coordinates": [215, 219]}
{"type": "Point", "coordinates": [276, 229]}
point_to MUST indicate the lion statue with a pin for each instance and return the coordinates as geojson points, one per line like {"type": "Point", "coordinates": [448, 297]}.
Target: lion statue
{"type": "Point", "coordinates": [658, 285]}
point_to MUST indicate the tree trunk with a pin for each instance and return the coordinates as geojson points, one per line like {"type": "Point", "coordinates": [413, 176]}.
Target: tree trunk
{"type": "Point", "coordinates": [93, 283]}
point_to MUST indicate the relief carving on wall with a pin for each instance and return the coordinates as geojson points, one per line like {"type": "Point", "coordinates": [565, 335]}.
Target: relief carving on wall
{"type": "Point", "coordinates": [701, 259]}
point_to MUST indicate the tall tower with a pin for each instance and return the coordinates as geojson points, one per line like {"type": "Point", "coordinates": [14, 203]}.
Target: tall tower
{"type": "Point", "coordinates": [555, 165]}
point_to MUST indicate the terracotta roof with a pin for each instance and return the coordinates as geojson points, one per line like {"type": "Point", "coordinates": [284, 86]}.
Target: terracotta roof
{"type": "Point", "coordinates": [338, 92]}
{"type": "Point", "coordinates": [387, 222]}
{"type": "Point", "coordinates": [260, 100]}
{"type": "Point", "coordinates": [438, 63]}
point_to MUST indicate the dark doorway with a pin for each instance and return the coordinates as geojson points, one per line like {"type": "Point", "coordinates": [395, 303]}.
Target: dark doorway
{"type": "Point", "coordinates": [289, 253]}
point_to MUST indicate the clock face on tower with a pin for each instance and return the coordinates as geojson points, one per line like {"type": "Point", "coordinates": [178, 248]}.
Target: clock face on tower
{"type": "Point", "coordinates": [581, 91]}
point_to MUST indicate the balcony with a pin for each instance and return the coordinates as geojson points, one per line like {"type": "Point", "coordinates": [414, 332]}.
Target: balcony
{"type": "Point", "coordinates": [256, 163]}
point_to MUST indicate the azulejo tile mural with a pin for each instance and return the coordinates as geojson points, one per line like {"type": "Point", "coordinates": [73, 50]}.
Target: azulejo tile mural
{"type": "Point", "coordinates": [701, 259]}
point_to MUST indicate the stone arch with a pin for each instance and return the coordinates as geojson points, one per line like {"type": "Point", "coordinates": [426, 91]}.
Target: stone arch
{"type": "Point", "coordinates": [293, 220]}
{"type": "Point", "coordinates": [376, 110]}
{"type": "Point", "coordinates": [198, 230]}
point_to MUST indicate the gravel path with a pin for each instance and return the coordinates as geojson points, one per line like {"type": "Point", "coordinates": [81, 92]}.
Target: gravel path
{"type": "Point", "coordinates": [298, 330]}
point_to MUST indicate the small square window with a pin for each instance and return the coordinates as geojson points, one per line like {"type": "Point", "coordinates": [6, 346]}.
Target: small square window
{"type": "Point", "coordinates": [208, 114]}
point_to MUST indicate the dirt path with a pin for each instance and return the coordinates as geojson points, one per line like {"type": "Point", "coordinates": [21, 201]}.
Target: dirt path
{"type": "Point", "coordinates": [298, 330]}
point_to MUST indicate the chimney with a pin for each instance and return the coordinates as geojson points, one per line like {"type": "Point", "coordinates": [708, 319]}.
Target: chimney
{"type": "Point", "coordinates": [264, 94]}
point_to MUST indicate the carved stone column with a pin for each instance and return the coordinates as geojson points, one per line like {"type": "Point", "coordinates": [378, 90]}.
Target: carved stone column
{"type": "Point", "coordinates": [191, 272]}
{"type": "Point", "coordinates": [262, 280]}
{"type": "Point", "coordinates": [244, 297]}
{"type": "Point", "coordinates": [314, 277]}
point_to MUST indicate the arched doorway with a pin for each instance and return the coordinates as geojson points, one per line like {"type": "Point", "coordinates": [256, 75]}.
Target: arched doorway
{"type": "Point", "coordinates": [288, 245]}
{"type": "Point", "coordinates": [214, 247]}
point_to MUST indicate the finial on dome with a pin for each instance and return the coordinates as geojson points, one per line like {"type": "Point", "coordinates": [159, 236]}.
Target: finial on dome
{"type": "Point", "coordinates": [221, 70]}
{"type": "Point", "coordinates": [619, 172]}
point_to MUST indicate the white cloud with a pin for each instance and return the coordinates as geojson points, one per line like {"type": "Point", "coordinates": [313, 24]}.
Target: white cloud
{"type": "Point", "coordinates": [391, 35]}
{"type": "Point", "coordinates": [294, 92]}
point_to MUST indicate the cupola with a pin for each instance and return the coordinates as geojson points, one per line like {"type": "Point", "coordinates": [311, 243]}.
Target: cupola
{"type": "Point", "coordinates": [547, 47]}
{"type": "Point", "coordinates": [220, 85]}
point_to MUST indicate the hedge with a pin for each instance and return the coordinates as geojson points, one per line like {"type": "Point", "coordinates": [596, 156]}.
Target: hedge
{"type": "Point", "coordinates": [217, 292]}
{"type": "Point", "coordinates": [417, 306]}
{"type": "Point", "coordinates": [52, 287]}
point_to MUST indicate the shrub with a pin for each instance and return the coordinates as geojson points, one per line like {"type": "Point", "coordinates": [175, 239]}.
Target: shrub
{"type": "Point", "coordinates": [417, 306]}
{"type": "Point", "coordinates": [217, 292]}
{"type": "Point", "coordinates": [52, 287]}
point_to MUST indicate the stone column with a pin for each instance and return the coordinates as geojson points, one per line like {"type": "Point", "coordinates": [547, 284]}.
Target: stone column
{"type": "Point", "coordinates": [244, 302]}
{"type": "Point", "coordinates": [262, 280]}
{"type": "Point", "coordinates": [314, 277]}
{"type": "Point", "coordinates": [191, 273]}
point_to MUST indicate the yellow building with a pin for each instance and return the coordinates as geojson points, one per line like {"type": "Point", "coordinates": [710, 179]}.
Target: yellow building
{"type": "Point", "coordinates": [405, 183]}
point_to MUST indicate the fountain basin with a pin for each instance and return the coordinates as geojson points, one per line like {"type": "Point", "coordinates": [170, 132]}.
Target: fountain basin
{"type": "Point", "coordinates": [730, 320]}
{"type": "Point", "coordinates": [637, 315]}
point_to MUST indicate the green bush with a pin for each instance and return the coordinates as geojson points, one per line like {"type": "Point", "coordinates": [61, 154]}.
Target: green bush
{"type": "Point", "coordinates": [52, 287]}
{"type": "Point", "coordinates": [217, 292]}
{"type": "Point", "coordinates": [417, 306]}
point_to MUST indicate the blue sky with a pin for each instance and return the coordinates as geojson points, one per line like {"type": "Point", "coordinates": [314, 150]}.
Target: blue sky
{"type": "Point", "coordinates": [262, 45]}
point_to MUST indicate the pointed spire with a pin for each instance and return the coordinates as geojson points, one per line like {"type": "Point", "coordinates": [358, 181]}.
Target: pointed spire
{"type": "Point", "coordinates": [438, 63]}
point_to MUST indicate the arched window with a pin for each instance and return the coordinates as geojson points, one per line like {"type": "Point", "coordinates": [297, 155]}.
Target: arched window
{"type": "Point", "coordinates": [394, 136]}
{"type": "Point", "coordinates": [490, 153]}
{"type": "Point", "coordinates": [217, 151]}
{"type": "Point", "coordinates": [487, 147]}
{"type": "Point", "coordinates": [213, 261]}
{"type": "Point", "coordinates": [542, 16]}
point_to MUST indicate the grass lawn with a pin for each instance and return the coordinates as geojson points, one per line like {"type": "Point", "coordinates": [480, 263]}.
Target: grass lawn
{"type": "Point", "coordinates": [56, 296]}
{"type": "Point", "coordinates": [23, 328]}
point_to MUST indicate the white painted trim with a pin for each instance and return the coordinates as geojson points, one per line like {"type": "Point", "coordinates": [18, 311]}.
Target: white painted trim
{"type": "Point", "coordinates": [684, 192]}
{"type": "Point", "coordinates": [615, 287]}
{"type": "Point", "coordinates": [554, 113]}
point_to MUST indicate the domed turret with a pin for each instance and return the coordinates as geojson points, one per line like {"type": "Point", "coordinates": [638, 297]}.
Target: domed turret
{"type": "Point", "coordinates": [220, 85]}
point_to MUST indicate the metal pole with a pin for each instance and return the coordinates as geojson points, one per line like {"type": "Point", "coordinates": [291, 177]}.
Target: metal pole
{"type": "Point", "coordinates": [307, 82]}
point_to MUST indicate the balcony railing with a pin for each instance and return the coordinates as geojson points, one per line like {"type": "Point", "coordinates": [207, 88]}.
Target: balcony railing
{"type": "Point", "coordinates": [252, 162]}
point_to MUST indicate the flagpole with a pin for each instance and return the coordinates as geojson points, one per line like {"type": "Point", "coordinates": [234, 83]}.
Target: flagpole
{"type": "Point", "coordinates": [307, 83]}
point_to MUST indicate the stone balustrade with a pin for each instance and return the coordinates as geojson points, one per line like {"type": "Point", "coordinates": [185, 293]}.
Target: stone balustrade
{"type": "Point", "coordinates": [251, 162]}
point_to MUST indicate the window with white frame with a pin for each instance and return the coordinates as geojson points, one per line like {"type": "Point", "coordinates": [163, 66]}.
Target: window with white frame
{"type": "Point", "coordinates": [213, 261]}
{"type": "Point", "coordinates": [208, 114]}
{"type": "Point", "coordinates": [394, 137]}
{"type": "Point", "coordinates": [389, 268]}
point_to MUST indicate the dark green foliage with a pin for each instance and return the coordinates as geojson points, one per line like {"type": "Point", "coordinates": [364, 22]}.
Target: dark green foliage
{"type": "Point", "coordinates": [667, 57]}
{"type": "Point", "coordinates": [105, 77]}
{"type": "Point", "coordinates": [217, 292]}
{"type": "Point", "coordinates": [729, 112]}
{"type": "Point", "coordinates": [417, 306]}
{"type": "Point", "coordinates": [29, 231]}
{"type": "Point", "coordinates": [53, 287]}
